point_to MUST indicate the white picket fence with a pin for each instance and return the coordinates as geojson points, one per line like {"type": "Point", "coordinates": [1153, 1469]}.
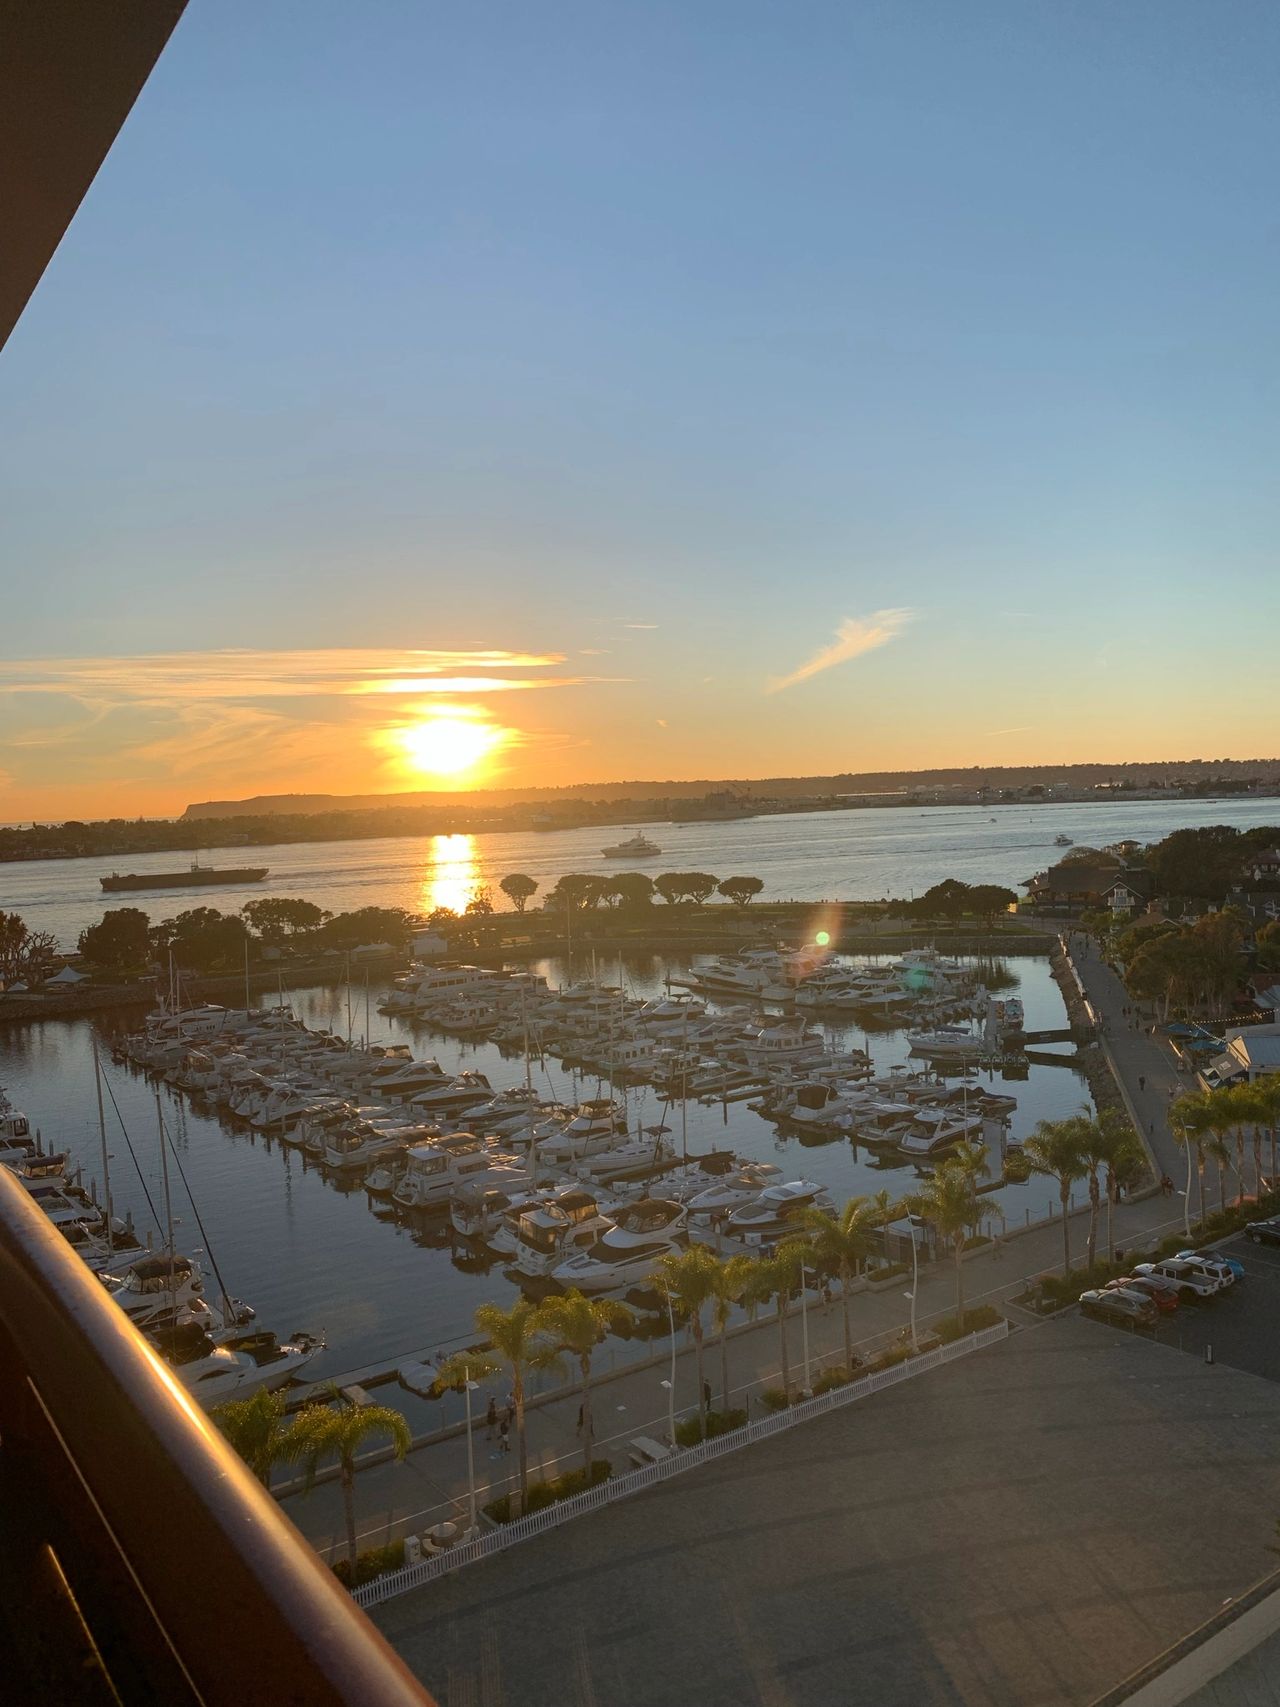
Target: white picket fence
{"type": "Point", "coordinates": [635, 1481]}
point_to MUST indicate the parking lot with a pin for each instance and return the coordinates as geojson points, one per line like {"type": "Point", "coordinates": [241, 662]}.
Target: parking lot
{"type": "Point", "coordinates": [1241, 1325]}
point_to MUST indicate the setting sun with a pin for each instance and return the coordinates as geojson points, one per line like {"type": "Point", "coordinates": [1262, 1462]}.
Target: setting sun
{"type": "Point", "coordinates": [448, 746]}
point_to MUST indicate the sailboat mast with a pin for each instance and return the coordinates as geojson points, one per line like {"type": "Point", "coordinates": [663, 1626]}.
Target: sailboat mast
{"type": "Point", "coordinates": [528, 1085]}
{"type": "Point", "coordinates": [102, 1134]}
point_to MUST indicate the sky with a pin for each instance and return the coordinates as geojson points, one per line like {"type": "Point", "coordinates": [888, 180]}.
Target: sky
{"type": "Point", "coordinates": [426, 397]}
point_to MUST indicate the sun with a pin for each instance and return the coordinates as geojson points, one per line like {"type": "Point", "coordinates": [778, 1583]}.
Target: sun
{"type": "Point", "coordinates": [448, 746]}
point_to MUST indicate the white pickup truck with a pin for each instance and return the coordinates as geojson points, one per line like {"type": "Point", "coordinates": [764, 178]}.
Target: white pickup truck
{"type": "Point", "coordinates": [1194, 1280]}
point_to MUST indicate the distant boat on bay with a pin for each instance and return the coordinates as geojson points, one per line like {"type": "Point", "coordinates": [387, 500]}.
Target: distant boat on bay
{"type": "Point", "coordinates": [196, 874]}
{"type": "Point", "coordinates": [635, 847]}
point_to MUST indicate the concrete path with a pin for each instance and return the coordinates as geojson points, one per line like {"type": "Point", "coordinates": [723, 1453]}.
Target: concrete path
{"type": "Point", "coordinates": [1143, 1065]}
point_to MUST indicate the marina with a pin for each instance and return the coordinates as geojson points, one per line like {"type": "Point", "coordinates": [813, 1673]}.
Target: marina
{"type": "Point", "coordinates": [387, 1285]}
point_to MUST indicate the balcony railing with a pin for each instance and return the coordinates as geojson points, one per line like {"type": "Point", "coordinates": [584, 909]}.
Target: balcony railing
{"type": "Point", "coordinates": [139, 1559]}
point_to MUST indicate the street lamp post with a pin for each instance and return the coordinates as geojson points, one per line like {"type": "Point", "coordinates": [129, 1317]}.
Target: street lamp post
{"type": "Point", "coordinates": [468, 1387]}
{"type": "Point", "coordinates": [1186, 1196]}
{"type": "Point", "coordinates": [915, 1281]}
{"type": "Point", "coordinates": [804, 1320]}
{"type": "Point", "coordinates": [671, 1384]}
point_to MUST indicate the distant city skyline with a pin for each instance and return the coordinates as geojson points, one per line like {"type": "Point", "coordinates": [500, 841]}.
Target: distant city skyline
{"type": "Point", "coordinates": [525, 398]}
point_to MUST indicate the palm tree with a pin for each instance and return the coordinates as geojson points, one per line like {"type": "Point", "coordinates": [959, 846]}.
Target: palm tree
{"type": "Point", "coordinates": [774, 1277]}
{"type": "Point", "coordinates": [322, 1429]}
{"type": "Point", "coordinates": [1055, 1149]}
{"type": "Point", "coordinates": [1215, 1147]}
{"type": "Point", "coordinates": [1220, 1121]}
{"type": "Point", "coordinates": [885, 1210]}
{"type": "Point", "coordinates": [686, 1279]}
{"type": "Point", "coordinates": [950, 1202]}
{"type": "Point", "coordinates": [577, 1324]}
{"type": "Point", "coordinates": [257, 1430]}
{"type": "Point", "coordinates": [1267, 1091]}
{"type": "Point", "coordinates": [1189, 1117]}
{"type": "Point", "coordinates": [519, 1345]}
{"type": "Point", "coordinates": [1107, 1141]}
{"type": "Point", "coordinates": [729, 1282]}
{"type": "Point", "coordinates": [839, 1243]}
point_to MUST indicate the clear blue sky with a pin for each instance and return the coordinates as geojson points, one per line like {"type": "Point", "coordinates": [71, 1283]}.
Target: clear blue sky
{"type": "Point", "coordinates": [501, 326]}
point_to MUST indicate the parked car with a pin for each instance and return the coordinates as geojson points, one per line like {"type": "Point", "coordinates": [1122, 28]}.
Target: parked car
{"type": "Point", "coordinates": [1120, 1306]}
{"type": "Point", "coordinates": [1191, 1279]}
{"type": "Point", "coordinates": [1265, 1232]}
{"type": "Point", "coordinates": [1210, 1263]}
{"type": "Point", "coordinates": [1233, 1263]}
{"type": "Point", "coordinates": [1162, 1293]}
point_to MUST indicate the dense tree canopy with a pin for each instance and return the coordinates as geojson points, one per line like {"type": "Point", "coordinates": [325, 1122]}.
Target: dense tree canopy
{"type": "Point", "coordinates": [274, 918]}
{"type": "Point", "coordinates": [741, 890]}
{"type": "Point", "coordinates": [367, 925]}
{"type": "Point", "coordinates": [24, 953]}
{"type": "Point", "coordinates": [203, 940]}
{"type": "Point", "coordinates": [119, 942]}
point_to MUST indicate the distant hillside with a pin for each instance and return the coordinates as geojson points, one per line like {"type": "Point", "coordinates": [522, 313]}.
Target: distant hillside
{"type": "Point", "coordinates": [1012, 777]}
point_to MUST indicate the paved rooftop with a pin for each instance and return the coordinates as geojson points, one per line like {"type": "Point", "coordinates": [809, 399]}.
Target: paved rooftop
{"type": "Point", "coordinates": [1024, 1527]}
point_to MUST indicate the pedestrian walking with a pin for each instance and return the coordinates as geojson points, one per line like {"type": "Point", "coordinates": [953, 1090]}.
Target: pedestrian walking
{"type": "Point", "coordinates": [1142, 1081]}
{"type": "Point", "coordinates": [826, 1298]}
{"type": "Point", "coordinates": [706, 1394]}
{"type": "Point", "coordinates": [511, 1413]}
{"type": "Point", "coordinates": [504, 1436]}
{"type": "Point", "coordinates": [491, 1417]}
{"type": "Point", "coordinates": [580, 1418]}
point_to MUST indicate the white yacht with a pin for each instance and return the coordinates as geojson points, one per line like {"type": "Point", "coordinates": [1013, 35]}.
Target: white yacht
{"type": "Point", "coordinates": [562, 1226]}
{"type": "Point", "coordinates": [157, 1288]}
{"type": "Point", "coordinates": [238, 1366]}
{"type": "Point", "coordinates": [477, 1211]}
{"type": "Point", "coordinates": [782, 1045]}
{"type": "Point", "coordinates": [628, 1253]}
{"type": "Point", "coordinates": [932, 1132]}
{"type": "Point", "coordinates": [949, 1043]}
{"type": "Point", "coordinates": [635, 847]}
{"type": "Point", "coordinates": [771, 1213]}
{"type": "Point", "coordinates": [629, 1156]}
{"type": "Point", "coordinates": [436, 1169]}
{"type": "Point", "coordinates": [597, 1126]}
{"type": "Point", "coordinates": [465, 1091]}
{"type": "Point", "coordinates": [736, 1189]}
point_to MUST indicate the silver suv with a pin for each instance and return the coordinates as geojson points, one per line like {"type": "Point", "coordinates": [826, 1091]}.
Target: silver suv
{"type": "Point", "coordinates": [1191, 1278]}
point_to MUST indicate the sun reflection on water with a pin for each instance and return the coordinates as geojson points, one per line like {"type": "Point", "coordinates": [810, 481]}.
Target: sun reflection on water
{"type": "Point", "coordinates": [452, 875]}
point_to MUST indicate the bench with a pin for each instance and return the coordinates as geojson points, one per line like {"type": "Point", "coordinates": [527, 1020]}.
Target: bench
{"type": "Point", "coordinates": [356, 1395]}
{"type": "Point", "coordinates": [645, 1451]}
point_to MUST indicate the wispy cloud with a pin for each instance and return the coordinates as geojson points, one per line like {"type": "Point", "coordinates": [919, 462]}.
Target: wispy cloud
{"type": "Point", "coordinates": [855, 635]}
{"type": "Point", "coordinates": [240, 721]}
{"type": "Point", "coordinates": [1016, 729]}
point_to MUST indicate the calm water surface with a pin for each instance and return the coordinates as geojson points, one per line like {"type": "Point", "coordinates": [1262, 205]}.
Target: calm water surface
{"type": "Point", "coordinates": [846, 856]}
{"type": "Point", "coordinates": [310, 1255]}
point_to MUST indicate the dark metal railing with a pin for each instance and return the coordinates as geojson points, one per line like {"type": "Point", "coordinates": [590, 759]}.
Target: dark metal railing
{"type": "Point", "coordinates": [139, 1559]}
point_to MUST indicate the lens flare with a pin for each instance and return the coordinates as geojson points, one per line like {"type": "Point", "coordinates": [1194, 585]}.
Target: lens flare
{"type": "Point", "coordinates": [448, 745]}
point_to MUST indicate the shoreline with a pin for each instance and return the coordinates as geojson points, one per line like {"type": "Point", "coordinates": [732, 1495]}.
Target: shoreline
{"type": "Point", "coordinates": [191, 835]}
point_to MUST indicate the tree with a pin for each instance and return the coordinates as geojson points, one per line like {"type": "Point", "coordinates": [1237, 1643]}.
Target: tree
{"type": "Point", "coordinates": [519, 890]}
{"type": "Point", "coordinates": [1056, 1148]}
{"type": "Point", "coordinates": [202, 939]}
{"type": "Point", "coordinates": [365, 925]}
{"type": "Point", "coordinates": [23, 953]}
{"type": "Point", "coordinates": [119, 942]}
{"type": "Point", "coordinates": [1189, 1119]}
{"type": "Point", "coordinates": [257, 1430]}
{"type": "Point", "coordinates": [518, 1344]}
{"type": "Point", "coordinates": [988, 900]}
{"type": "Point", "coordinates": [480, 906]}
{"type": "Point", "coordinates": [1107, 1141]}
{"type": "Point", "coordinates": [1268, 946]}
{"type": "Point", "coordinates": [951, 1204]}
{"type": "Point", "coordinates": [1201, 862]}
{"type": "Point", "coordinates": [628, 889]}
{"type": "Point", "coordinates": [839, 1244]}
{"type": "Point", "coordinates": [576, 1324]}
{"type": "Point", "coordinates": [700, 886]}
{"type": "Point", "coordinates": [343, 1429]}
{"type": "Point", "coordinates": [741, 890]}
{"type": "Point", "coordinates": [1267, 1091]}
{"type": "Point", "coordinates": [686, 1279]}
{"type": "Point", "coordinates": [274, 918]}
{"type": "Point", "coordinates": [775, 1277]}
{"type": "Point", "coordinates": [671, 886]}
{"type": "Point", "coordinates": [729, 1281]}
{"type": "Point", "coordinates": [574, 891]}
